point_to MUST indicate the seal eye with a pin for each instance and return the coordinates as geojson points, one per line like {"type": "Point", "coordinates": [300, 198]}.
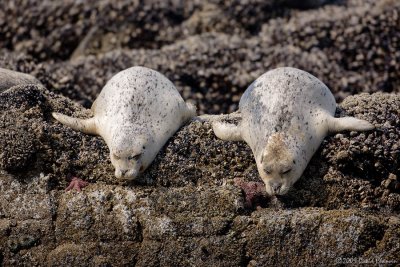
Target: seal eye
{"type": "Point", "coordinates": [136, 157]}
{"type": "Point", "coordinates": [268, 171]}
{"type": "Point", "coordinates": [116, 157]}
{"type": "Point", "coordinates": [286, 172]}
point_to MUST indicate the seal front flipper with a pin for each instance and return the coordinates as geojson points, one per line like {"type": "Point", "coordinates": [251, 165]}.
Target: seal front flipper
{"type": "Point", "coordinates": [348, 123]}
{"type": "Point", "coordinates": [87, 126]}
{"type": "Point", "coordinates": [227, 131]}
{"type": "Point", "coordinates": [191, 111]}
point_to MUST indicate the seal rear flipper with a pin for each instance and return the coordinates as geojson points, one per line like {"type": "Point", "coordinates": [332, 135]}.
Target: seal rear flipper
{"type": "Point", "coordinates": [191, 110]}
{"type": "Point", "coordinates": [87, 126]}
{"type": "Point", "coordinates": [227, 131]}
{"type": "Point", "coordinates": [348, 123]}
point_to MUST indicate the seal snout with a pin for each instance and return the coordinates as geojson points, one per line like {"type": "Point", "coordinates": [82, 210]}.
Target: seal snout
{"type": "Point", "coordinates": [275, 187]}
{"type": "Point", "coordinates": [123, 172]}
{"type": "Point", "coordinates": [126, 174]}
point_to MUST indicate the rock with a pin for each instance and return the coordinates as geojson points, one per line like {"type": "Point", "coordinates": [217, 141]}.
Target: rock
{"type": "Point", "coordinates": [54, 30]}
{"type": "Point", "coordinates": [213, 58]}
{"type": "Point", "coordinates": [351, 38]}
{"type": "Point", "coordinates": [315, 236]}
{"type": "Point", "coordinates": [185, 209]}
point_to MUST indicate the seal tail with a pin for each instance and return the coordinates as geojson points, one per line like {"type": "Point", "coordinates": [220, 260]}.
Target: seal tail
{"type": "Point", "coordinates": [227, 131]}
{"type": "Point", "coordinates": [191, 111]}
{"type": "Point", "coordinates": [87, 126]}
{"type": "Point", "coordinates": [348, 123]}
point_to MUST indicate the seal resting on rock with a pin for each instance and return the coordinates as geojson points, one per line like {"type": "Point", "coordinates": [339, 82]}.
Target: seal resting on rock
{"type": "Point", "coordinates": [286, 113]}
{"type": "Point", "coordinates": [136, 112]}
{"type": "Point", "coordinates": [10, 78]}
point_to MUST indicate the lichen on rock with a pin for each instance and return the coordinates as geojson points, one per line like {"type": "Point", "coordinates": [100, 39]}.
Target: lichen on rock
{"type": "Point", "coordinates": [187, 199]}
{"type": "Point", "coordinates": [186, 209]}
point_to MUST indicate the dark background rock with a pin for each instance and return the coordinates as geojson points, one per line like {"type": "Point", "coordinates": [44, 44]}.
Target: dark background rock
{"type": "Point", "coordinates": [185, 209]}
{"type": "Point", "coordinates": [214, 51]}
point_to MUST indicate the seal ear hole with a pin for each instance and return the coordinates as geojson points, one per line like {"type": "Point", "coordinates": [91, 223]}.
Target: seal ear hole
{"type": "Point", "coordinates": [116, 157]}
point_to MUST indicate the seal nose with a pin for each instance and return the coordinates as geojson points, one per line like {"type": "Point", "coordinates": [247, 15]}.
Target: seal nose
{"type": "Point", "coordinates": [275, 187]}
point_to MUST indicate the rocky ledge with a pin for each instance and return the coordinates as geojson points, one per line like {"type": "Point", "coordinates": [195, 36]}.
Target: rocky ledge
{"type": "Point", "coordinates": [185, 210]}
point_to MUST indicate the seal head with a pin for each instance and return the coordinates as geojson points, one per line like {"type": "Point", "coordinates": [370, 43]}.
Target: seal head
{"type": "Point", "coordinates": [277, 166]}
{"type": "Point", "coordinates": [128, 153]}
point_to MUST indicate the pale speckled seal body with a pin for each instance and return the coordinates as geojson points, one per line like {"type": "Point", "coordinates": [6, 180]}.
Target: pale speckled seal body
{"type": "Point", "coordinates": [286, 113]}
{"type": "Point", "coordinates": [137, 111]}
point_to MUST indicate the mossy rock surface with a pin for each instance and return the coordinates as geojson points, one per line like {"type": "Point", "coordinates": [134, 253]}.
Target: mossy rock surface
{"type": "Point", "coordinates": [185, 209]}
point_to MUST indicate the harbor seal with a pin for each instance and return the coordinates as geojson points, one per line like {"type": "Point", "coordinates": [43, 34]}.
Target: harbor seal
{"type": "Point", "coordinates": [10, 78]}
{"type": "Point", "coordinates": [136, 112]}
{"type": "Point", "coordinates": [286, 113]}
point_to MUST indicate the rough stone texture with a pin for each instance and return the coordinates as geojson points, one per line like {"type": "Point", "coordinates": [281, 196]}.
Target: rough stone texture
{"type": "Point", "coordinates": [364, 40]}
{"type": "Point", "coordinates": [52, 30]}
{"type": "Point", "coordinates": [214, 52]}
{"type": "Point", "coordinates": [185, 209]}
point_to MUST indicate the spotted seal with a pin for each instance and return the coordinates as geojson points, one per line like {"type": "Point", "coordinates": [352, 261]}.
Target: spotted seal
{"type": "Point", "coordinates": [286, 113]}
{"type": "Point", "coordinates": [136, 112]}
